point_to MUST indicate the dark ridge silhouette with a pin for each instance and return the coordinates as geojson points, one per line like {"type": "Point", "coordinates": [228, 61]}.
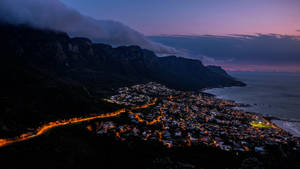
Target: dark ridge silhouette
{"type": "Point", "coordinates": [82, 61]}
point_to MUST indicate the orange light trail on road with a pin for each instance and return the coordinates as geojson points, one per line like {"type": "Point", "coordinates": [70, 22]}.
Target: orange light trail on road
{"type": "Point", "coordinates": [41, 130]}
{"type": "Point", "coordinates": [145, 105]}
{"type": "Point", "coordinates": [158, 119]}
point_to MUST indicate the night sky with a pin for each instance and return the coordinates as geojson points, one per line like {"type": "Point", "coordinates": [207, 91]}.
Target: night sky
{"type": "Point", "coordinates": [195, 17]}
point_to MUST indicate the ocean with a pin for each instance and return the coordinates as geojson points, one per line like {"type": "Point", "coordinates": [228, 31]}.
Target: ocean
{"type": "Point", "coordinates": [270, 94]}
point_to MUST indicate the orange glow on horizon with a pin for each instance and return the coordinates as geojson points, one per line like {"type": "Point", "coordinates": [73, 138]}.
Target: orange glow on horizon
{"type": "Point", "coordinates": [263, 68]}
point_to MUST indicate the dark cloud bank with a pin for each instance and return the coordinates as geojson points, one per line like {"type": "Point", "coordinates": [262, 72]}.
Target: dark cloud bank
{"type": "Point", "coordinates": [260, 49]}
{"type": "Point", "coordinates": [53, 14]}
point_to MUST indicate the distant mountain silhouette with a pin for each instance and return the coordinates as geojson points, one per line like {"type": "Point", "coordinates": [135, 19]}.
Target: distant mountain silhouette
{"type": "Point", "coordinates": [82, 61]}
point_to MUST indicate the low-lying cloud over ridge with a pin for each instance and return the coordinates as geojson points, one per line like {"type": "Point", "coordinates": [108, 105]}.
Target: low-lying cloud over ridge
{"type": "Point", "coordinates": [265, 52]}
{"type": "Point", "coordinates": [53, 14]}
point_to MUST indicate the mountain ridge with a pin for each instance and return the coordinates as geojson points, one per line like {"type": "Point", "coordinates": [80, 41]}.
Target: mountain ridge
{"type": "Point", "coordinates": [73, 57]}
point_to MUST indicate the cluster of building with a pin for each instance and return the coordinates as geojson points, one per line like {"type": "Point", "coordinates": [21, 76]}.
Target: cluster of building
{"type": "Point", "coordinates": [189, 118]}
{"type": "Point", "coordinates": [139, 94]}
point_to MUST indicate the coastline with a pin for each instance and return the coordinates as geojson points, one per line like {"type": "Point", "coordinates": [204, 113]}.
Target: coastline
{"type": "Point", "coordinates": [291, 126]}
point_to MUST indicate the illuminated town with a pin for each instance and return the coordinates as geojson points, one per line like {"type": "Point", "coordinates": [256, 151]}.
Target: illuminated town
{"type": "Point", "coordinates": [188, 118]}
{"type": "Point", "coordinates": [174, 118]}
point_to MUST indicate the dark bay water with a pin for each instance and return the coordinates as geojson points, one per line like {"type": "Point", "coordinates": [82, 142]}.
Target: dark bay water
{"type": "Point", "coordinates": [274, 94]}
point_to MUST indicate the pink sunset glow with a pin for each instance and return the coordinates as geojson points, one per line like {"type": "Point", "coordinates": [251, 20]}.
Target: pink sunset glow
{"type": "Point", "coordinates": [262, 68]}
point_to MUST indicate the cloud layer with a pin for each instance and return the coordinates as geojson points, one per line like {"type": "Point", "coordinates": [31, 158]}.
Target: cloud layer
{"type": "Point", "coordinates": [257, 51]}
{"type": "Point", "coordinates": [53, 14]}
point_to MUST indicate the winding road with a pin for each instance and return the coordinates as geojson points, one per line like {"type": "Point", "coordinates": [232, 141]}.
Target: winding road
{"type": "Point", "coordinates": [46, 127]}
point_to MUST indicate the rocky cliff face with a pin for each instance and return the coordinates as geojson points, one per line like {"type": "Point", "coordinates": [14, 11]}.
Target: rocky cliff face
{"type": "Point", "coordinates": [101, 65]}
{"type": "Point", "coordinates": [218, 70]}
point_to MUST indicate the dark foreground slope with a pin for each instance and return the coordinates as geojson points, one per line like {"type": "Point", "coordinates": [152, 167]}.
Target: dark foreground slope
{"type": "Point", "coordinates": [75, 147]}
